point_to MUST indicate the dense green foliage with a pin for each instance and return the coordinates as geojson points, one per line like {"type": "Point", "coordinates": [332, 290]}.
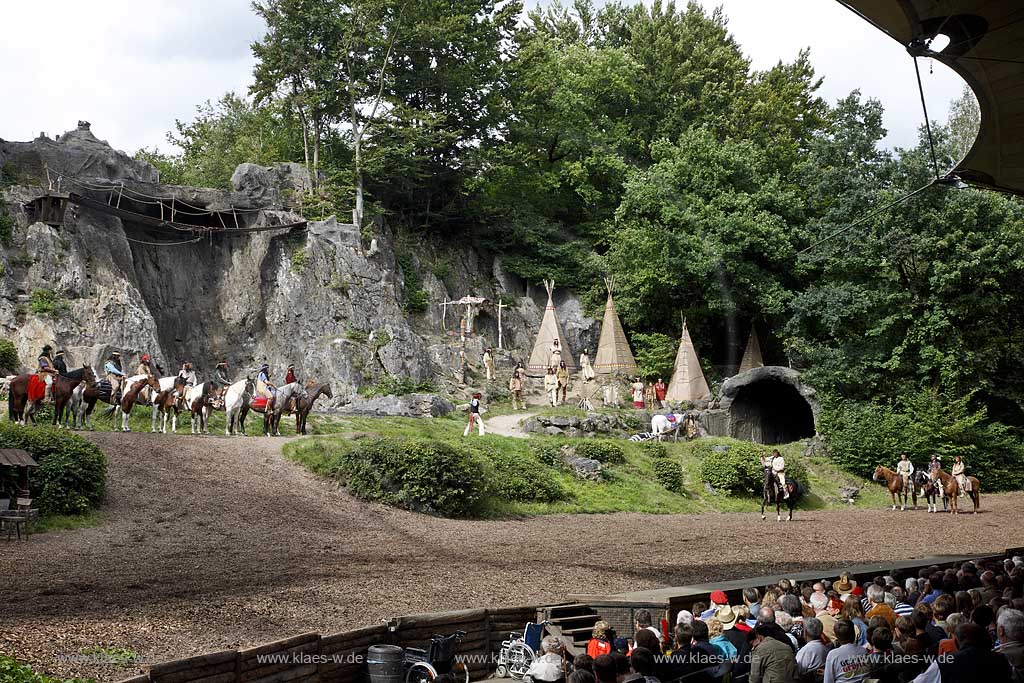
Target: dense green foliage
{"type": "Point", "coordinates": [71, 477]}
{"type": "Point", "coordinates": [9, 356]}
{"type": "Point", "coordinates": [512, 477]}
{"type": "Point", "coordinates": [419, 474]}
{"type": "Point", "coordinates": [46, 302]}
{"type": "Point", "coordinates": [13, 672]}
{"type": "Point", "coordinates": [604, 451]}
{"type": "Point", "coordinates": [669, 474]}
{"type": "Point", "coordinates": [861, 436]}
{"type": "Point", "coordinates": [636, 141]}
{"type": "Point", "coordinates": [735, 467]}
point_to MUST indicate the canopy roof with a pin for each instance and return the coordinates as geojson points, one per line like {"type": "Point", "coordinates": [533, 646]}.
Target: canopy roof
{"type": "Point", "coordinates": [986, 49]}
{"type": "Point", "coordinates": [15, 457]}
{"type": "Point", "coordinates": [613, 353]}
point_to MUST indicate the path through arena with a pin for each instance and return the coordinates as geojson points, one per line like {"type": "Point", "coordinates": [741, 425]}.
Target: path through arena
{"type": "Point", "coordinates": [212, 543]}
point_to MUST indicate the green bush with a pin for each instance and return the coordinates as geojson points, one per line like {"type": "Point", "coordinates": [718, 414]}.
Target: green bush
{"type": "Point", "coordinates": [71, 477]}
{"type": "Point", "coordinates": [860, 436]}
{"type": "Point", "coordinates": [417, 474]}
{"type": "Point", "coordinates": [415, 295]}
{"type": "Point", "coordinates": [300, 258]}
{"type": "Point", "coordinates": [9, 356]}
{"type": "Point", "coordinates": [605, 452]}
{"type": "Point", "coordinates": [548, 453]}
{"type": "Point", "coordinates": [13, 672]}
{"type": "Point", "coordinates": [6, 226]}
{"type": "Point", "coordinates": [738, 470]}
{"type": "Point", "coordinates": [654, 449]}
{"type": "Point", "coordinates": [46, 302]}
{"type": "Point", "coordinates": [669, 474]}
{"type": "Point", "coordinates": [520, 479]}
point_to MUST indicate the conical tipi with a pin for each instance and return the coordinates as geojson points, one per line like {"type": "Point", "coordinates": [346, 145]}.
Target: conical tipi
{"type": "Point", "coordinates": [688, 383]}
{"type": "Point", "coordinates": [613, 354]}
{"type": "Point", "coordinates": [550, 330]}
{"type": "Point", "coordinates": [752, 356]}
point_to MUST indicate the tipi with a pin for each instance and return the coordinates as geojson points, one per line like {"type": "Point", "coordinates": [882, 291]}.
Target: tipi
{"type": "Point", "coordinates": [540, 357]}
{"type": "Point", "coordinates": [613, 354]}
{"type": "Point", "coordinates": [752, 356]}
{"type": "Point", "coordinates": [688, 383]}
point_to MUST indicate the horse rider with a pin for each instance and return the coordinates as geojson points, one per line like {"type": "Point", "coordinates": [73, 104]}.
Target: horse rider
{"type": "Point", "coordinates": [905, 470]}
{"type": "Point", "coordinates": [188, 374]}
{"type": "Point", "coordinates": [933, 473]}
{"type": "Point", "coordinates": [959, 469]}
{"type": "Point", "coordinates": [220, 375]}
{"type": "Point", "coordinates": [46, 370]}
{"type": "Point", "coordinates": [59, 364]}
{"type": "Point", "coordinates": [112, 368]}
{"type": "Point", "coordinates": [289, 377]}
{"type": "Point", "coordinates": [776, 465]}
{"type": "Point", "coordinates": [263, 386]}
{"type": "Point", "coordinates": [144, 367]}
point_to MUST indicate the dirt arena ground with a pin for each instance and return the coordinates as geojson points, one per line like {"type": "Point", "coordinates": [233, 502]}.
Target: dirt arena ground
{"type": "Point", "coordinates": [212, 543]}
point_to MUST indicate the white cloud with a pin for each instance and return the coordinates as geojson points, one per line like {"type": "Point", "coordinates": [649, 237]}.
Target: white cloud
{"type": "Point", "coordinates": [132, 67]}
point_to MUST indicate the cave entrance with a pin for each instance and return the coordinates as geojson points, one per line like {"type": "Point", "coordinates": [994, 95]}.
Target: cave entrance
{"type": "Point", "coordinates": [771, 412]}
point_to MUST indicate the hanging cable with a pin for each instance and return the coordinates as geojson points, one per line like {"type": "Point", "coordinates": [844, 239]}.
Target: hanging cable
{"type": "Point", "coordinates": [927, 121]}
{"type": "Point", "coordinates": [164, 244]}
{"type": "Point", "coordinates": [868, 217]}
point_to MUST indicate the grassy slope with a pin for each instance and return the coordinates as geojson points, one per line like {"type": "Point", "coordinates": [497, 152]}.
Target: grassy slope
{"type": "Point", "coordinates": [630, 487]}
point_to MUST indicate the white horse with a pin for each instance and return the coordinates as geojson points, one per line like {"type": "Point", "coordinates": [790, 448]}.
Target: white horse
{"type": "Point", "coordinates": [165, 384]}
{"type": "Point", "coordinates": [272, 418]}
{"type": "Point", "coordinates": [661, 425]}
{"type": "Point", "coordinates": [79, 408]}
{"type": "Point", "coordinates": [237, 395]}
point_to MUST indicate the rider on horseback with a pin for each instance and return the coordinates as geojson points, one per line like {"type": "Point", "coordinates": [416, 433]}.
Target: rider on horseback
{"type": "Point", "coordinates": [113, 369]}
{"type": "Point", "coordinates": [905, 469]}
{"type": "Point", "coordinates": [220, 375]}
{"type": "Point", "coordinates": [46, 371]}
{"type": "Point", "coordinates": [959, 469]}
{"type": "Point", "coordinates": [144, 366]}
{"type": "Point", "coordinates": [933, 473]}
{"type": "Point", "coordinates": [59, 364]}
{"type": "Point", "coordinates": [263, 386]}
{"type": "Point", "coordinates": [187, 374]}
{"type": "Point", "coordinates": [775, 469]}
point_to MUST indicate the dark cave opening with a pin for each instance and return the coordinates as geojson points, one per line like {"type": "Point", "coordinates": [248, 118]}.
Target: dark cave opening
{"type": "Point", "coordinates": [771, 412]}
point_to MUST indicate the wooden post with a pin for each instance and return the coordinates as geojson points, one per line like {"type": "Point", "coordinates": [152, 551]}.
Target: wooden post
{"type": "Point", "coordinates": [120, 192]}
{"type": "Point", "coordinates": [444, 312]}
{"type": "Point", "coordinates": [172, 208]}
{"type": "Point", "coordinates": [500, 306]}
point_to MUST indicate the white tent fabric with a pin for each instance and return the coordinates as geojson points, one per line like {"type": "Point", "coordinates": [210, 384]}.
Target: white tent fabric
{"type": "Point", "coordinates": [550, 330]}
{"type": "Point", "coordinates": [613, 352]}
{"type": "Point", "coordinates": [688, 383]}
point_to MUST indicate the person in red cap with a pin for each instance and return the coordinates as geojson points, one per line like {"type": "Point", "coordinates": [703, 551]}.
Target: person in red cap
{"type": "Point", "coordinates": [144, 367]}
{"type": "Point", "coordinates": [289, 377]}
{"type": "Point", "coordinates": [718, 600]}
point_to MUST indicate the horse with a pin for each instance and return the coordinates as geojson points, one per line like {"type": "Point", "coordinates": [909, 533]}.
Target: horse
{"type": "Point", "coordinates": [200, 399]}
{"type": "Point", "coordinates": [661, 425]}
{"type": "Point", "coordinates": [237, 398]}
{"type": "Point", "coordinates": [894, 482]}
{"type": "Point", "coordinates": [63, 390]}
{"type": "Point", "coordinates": [304, 403]}
{"type": "Point", "coordinates": [931, 490]}
{"type": "Point", "coordinates": [770, 494]}
{"type": "Point", "coordinates": [20, 408]}
{"type": "Point", "coordinates": [132, 396]}
{"type": "Point", "coordinates": [83, 403]}
{"type": "Point", "coordinates": [176, 385]}
{"type": "Point", "coordinates": [277, 405]}
{"type": "Point", "coordinates": [952, 489]}
{"type": "Point", "coordinates": [167, 402]}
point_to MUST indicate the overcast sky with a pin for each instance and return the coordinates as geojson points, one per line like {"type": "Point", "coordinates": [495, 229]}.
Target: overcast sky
{"type": "Point", "coordinates": [132, 67]}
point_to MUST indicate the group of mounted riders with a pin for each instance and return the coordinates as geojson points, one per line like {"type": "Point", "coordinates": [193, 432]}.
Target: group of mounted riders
{"type": "Point", "coordinates": [934, 484]}
{"type": "Point", "coordinates": [75, 394]}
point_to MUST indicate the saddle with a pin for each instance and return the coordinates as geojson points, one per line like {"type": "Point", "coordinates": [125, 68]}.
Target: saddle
{"type": "Point", "coordinates": [104, 389]}
{"type": "Point", "coordinates": [258, 403]}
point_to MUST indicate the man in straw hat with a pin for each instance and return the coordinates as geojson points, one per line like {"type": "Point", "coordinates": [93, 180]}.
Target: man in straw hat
{"type": "Point", "coordinates": [113, 371]}
{"type": "Point", "coordinates": [45, 369]}
{"type": "Point", "coordinates": [729, 617]}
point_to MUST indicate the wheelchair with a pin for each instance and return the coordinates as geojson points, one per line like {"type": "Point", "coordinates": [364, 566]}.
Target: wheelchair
{"type": "Point", "coordinates": [519, 651]}
{"type": "Point", "coordinates": [438, 663]}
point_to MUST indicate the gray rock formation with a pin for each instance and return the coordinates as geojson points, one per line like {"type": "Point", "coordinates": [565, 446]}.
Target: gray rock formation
{"type": "Point", "coordinates": [313, 297]}
{"type": "Point", "coordinates": [410, 405]}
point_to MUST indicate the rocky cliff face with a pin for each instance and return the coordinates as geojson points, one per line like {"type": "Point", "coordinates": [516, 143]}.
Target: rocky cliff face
{"type": "Point", "coordinates": [322, 298]}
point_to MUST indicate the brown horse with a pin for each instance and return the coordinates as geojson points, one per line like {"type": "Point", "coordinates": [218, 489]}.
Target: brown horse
{"type": "Point", "coordinates": [131, 397]}
{"type": "Point", "coordinates": [19, 408]}
{"type": "Point", "coordinates": [952, 488]}
{"type": "Point", "coordinates": [894, 483]}
{"type": "Point", "coordinates": [168, 402]}
{"type": "Point", "coordinates": [304, 403]}
{"type": "Point", "coordinates": [64, 389]}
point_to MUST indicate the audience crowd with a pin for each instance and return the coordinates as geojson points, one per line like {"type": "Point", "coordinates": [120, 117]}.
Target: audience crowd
{"type": "Point", "coordinates": [936, 626]}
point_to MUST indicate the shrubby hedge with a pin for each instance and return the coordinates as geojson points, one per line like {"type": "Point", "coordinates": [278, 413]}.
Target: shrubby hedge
{"type": "Point", "coordinates": [669, 474]}
{"type": "Point", "coordinates": [738, 469]}
{"type": "Point", "coordinates": [520, 478]}
{"type": "Point", "coordinates": [418, 474]}
{"type": "Point", "coordinates": [9, 356]}
{"type": "Point", "coordinates": [654, 449]}
{"type": "Point", "coordinates": [860, 436]}
{"type": "Point", "coordinates": [13, 672]}
{"type": "Point", "coordinates": [605, 452]}
{"type": "Point", "coordinates": [71, 477]}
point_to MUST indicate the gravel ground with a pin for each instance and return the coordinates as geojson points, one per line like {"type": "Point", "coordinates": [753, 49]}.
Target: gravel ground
{"type": "Point", "coordinates": [212, 543]}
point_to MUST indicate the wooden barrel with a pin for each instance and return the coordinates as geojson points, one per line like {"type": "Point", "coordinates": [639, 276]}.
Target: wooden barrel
{"type": "Point", "coordinates": [384, 663]}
